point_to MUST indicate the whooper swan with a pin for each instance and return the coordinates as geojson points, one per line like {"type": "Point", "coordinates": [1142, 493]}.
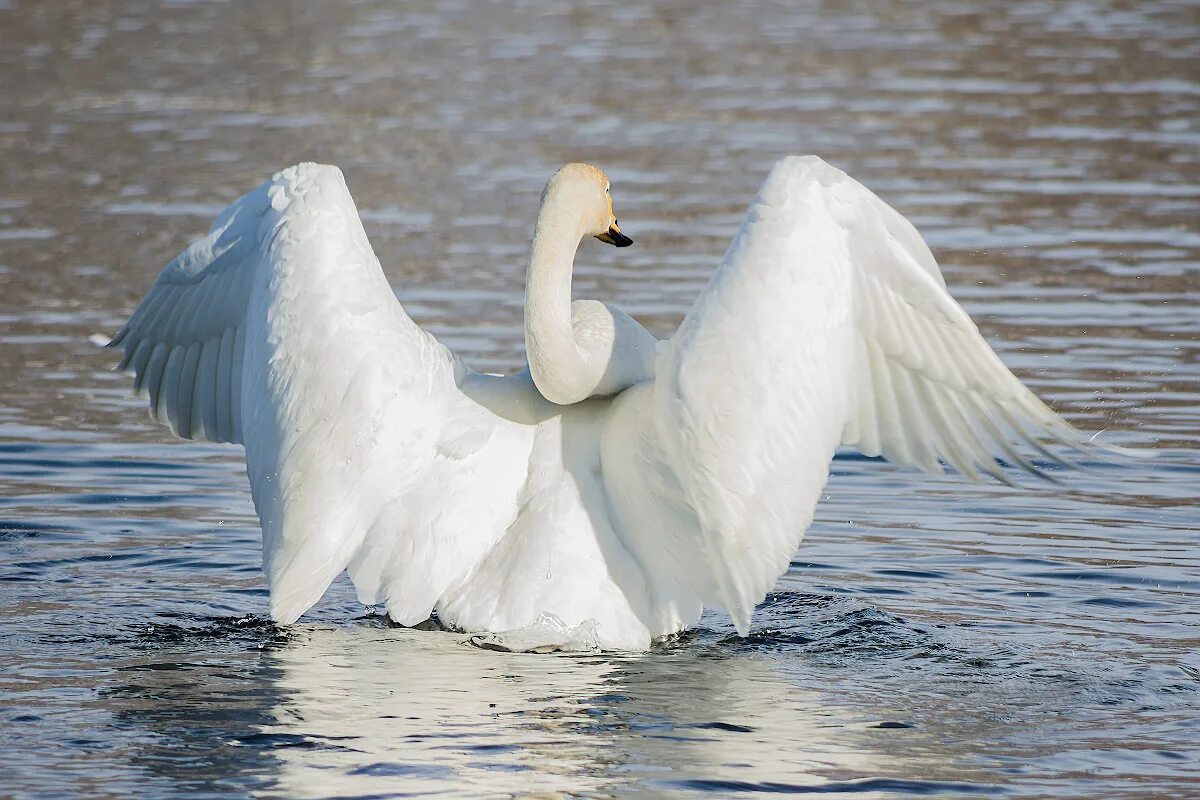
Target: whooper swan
{"type": "Point", "coordinates": [605, 495]}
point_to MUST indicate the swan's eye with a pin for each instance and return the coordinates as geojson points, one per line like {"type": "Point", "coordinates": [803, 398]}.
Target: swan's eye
{"type": "Point", "coordinates": [606, 188]}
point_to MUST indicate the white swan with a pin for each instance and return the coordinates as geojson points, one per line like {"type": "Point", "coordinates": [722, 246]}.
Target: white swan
{"type": "Point", "coordinates": [687, 480]}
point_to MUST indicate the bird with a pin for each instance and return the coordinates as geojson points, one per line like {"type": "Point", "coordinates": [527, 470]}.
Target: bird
{"type": "Point", "coordinates": [619, 484]}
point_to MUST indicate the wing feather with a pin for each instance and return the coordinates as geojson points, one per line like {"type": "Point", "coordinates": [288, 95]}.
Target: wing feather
{"type": "Point", "coordinates": [168, 387]}
{"type": "Point", "coordinates": [236, 371]}
{"type": "Point", "coordinates": [866, 422]}
{"type": "Point", "coordinates": [223, 412]}
{"type": "Point", "coordinates": [204, 392]}
{"type": "Point", "coordinates": [181, 413]}
{"type": "Point", "coordinates": [149, 380]}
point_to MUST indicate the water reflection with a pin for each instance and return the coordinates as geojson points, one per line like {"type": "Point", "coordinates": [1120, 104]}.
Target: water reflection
{"type": "Point", "coordinates": [441, 715]}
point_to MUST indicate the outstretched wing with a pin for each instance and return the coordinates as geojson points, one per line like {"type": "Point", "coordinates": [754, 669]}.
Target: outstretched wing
{"type": "Point", "coordinates": [926, 386]}
{"type": "Point", "coordinates": [827, 322]}
{"type": "Point", "coordinates": [279, 330]}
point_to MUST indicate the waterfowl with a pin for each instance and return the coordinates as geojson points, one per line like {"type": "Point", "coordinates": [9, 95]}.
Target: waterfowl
{"type": "Point", "coordinates": [606, 494]}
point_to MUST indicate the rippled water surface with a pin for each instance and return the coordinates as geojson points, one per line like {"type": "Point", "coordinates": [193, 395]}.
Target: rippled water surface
{"type": "Point", "coordinates": [931, 637]}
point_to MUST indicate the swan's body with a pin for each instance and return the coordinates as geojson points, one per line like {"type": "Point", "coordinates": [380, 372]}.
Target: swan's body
{"type": "Point", "coordinates": [505, 502]}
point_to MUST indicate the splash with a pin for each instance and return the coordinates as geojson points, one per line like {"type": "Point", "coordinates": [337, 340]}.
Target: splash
{"type": "Point", "coordinates": [546, 634]}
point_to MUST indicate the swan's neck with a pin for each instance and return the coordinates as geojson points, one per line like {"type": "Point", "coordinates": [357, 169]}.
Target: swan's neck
{"type": "Point", "coordinates": [558, 367]}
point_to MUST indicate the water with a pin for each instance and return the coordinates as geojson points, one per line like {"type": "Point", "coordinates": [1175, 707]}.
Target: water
{"type": "Point", "coordinates": [932, 636]}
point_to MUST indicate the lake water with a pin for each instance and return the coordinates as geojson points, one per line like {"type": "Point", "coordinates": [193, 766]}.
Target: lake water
{"type": "Point", "coordinates": [932, 636]}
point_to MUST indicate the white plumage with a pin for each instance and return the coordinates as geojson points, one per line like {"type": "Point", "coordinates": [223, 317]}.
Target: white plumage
{"type": "Point", "coordinates": [687, 479]}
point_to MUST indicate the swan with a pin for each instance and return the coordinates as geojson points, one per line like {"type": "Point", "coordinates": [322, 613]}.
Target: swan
{"type": "Point", "coordinates": [605, 495]}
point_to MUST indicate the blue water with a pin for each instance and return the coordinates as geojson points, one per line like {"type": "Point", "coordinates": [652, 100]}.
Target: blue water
{"type": "Point", "coordinates": [932, 637]}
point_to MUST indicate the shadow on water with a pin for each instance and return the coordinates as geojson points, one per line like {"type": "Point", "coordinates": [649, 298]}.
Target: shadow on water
{"type": "Point", "coordinates": [190, 695]}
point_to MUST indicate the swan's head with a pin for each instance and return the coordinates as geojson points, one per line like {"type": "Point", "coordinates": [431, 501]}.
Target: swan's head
{"type": "Point", "coordinates": [585, 190]}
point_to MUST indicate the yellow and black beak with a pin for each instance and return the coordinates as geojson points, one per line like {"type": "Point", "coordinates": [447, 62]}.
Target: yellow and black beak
{"type": "Point", "coordinates": [614, 236]}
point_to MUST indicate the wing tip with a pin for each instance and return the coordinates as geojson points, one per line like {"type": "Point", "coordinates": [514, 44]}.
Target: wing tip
{"type": "Point", "coordinates": [285, 615]}
{"type": "Point", "coordinates": [308, 172]}
{"type": "Point", "coordinates": [806, 167]}
{"type": "Point", "coordinates": [289, 606]}
{"type": "Point", "coordinates": [741, 621]}
{"type": "Point", "coordinates": [1125, 451]}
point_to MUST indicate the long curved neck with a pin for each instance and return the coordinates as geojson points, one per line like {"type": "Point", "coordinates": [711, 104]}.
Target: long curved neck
{"type": "Point", "coordinates": [556, 364]}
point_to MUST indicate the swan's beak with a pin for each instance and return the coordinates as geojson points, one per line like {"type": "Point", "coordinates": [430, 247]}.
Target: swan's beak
{"type": "Point", "coordinates": [614, 236]}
